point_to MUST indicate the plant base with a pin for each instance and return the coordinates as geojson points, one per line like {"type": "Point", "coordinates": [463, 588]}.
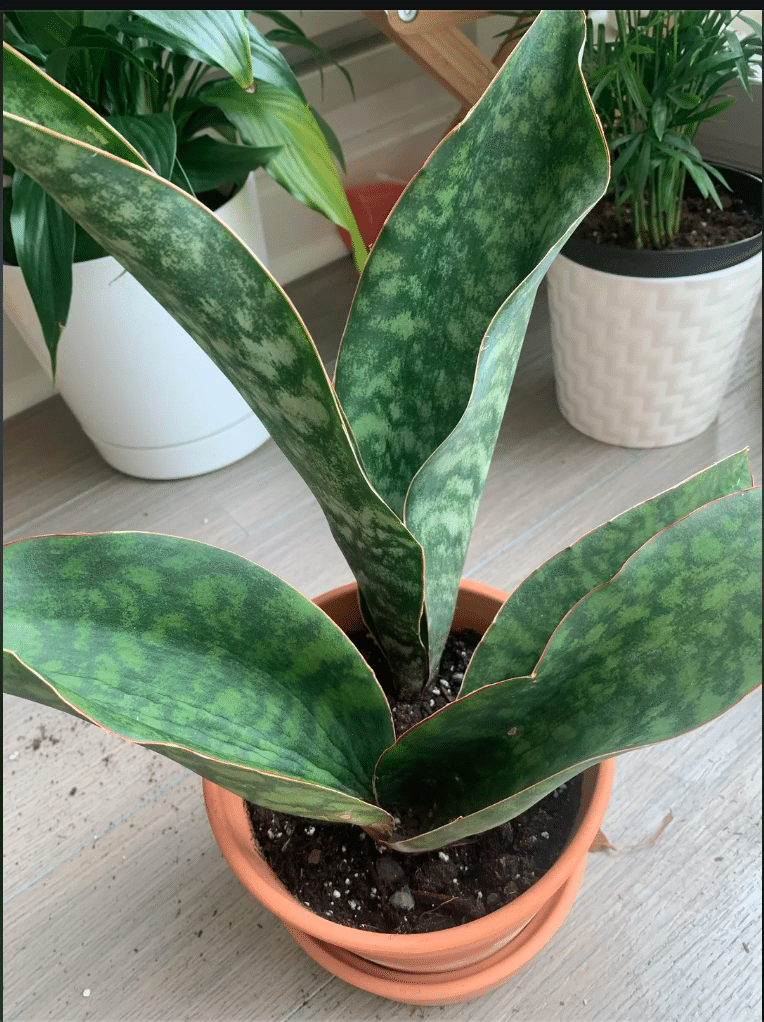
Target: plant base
{"type": "Point", "coordinates": [483, 952]}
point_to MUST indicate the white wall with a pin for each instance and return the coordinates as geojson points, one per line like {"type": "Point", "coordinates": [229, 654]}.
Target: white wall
{"type": "Point", "coordinates": [388, 131]}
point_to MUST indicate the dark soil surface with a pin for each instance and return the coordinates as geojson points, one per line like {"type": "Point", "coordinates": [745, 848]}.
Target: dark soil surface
{"type": "Point", "coordinates": [339, 872]}
{"type": "Point", "coordinates": [703, 224]}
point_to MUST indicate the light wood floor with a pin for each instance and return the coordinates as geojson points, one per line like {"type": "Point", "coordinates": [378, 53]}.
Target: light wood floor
{"type": "Point", "coordinates": [113, 883]}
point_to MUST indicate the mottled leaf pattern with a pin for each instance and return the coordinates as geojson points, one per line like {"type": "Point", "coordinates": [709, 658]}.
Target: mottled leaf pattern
{"type": "Point", "coordinates": [513, 644]}
{"type": "Point", "coordinates": [668, 644]}
{"type": "Point", "coordinates": [202, 656]}
{"type": "Point", "coordinates": [443, 500]}
{"type": "Point", "coordinates": [424, 349]}
{"type": "Point", "coordinates": [490, 203]}
{"type": "Point", "coordinates": [33, 95]}
{"type": "Point", "coordinates": [228, 302]}
{"type": "Point", "coordinates": [212, 661]}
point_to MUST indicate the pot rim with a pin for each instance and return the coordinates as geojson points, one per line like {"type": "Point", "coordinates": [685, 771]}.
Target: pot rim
{"type": "Point", "coordinates": [673, 264]}
{"type": "Point", "coordinates": [232, 830]}
{"type": "Point", "coordinates": [661, 279]}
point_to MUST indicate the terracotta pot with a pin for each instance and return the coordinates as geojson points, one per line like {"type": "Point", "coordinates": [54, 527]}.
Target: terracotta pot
{"type": "Point", "coordinates": [434, 968]}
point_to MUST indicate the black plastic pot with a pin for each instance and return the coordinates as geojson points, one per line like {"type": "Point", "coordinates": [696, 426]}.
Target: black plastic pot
{"type": "Point", "coordinates": [639, 262]}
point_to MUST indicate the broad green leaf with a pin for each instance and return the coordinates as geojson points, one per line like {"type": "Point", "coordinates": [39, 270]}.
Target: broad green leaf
{"type": "Point", "coordinates": [101, 19]}
{"type": "Point", "coordinates": [670, 643]}
{"type": "Point", "coordinates": [153, 135]}
{"type": "Point", "coordinates": [229, 303]}
{"type": "Point", "coordinates": [29, 93]}
{"type": "Point", "coordinates": [427, 359]}
{"type": "Point", "coordinates": [304, 166]}
{"type": "Point", "coordinates": [203, 656]}
{"type": "Point", "coordinates": [43, 238]}
{"type": "Point", "coordinates": [49, 30]}
{"type": "Point", "coordinates": [209, 163]}
{"type": "Point", "coordinates": [269, 64]}
{"type": "Point", "coordinates": [514, 643]}
{"type": "Point", "coordinates": [219, 38]}
{"type": "Point", "coordinates": [331, 139]}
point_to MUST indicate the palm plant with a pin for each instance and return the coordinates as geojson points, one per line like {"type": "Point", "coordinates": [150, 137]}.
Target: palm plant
{"type": "Point", "coordinates": [652, 85]}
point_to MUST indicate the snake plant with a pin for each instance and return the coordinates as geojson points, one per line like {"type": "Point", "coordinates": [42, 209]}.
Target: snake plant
{"type": "Point", "coordinates": [643, 629]}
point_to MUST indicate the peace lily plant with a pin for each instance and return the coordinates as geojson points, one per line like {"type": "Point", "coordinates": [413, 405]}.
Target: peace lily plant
{"type": "Point", "coordinates": [203, 96]}
{"type": "Point", "coordinates": [643, 629]}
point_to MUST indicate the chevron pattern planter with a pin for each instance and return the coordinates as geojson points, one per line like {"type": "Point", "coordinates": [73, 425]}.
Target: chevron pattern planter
{"type": "Point", "coordinates": [644, 341]}
{"type": "Point", "coordinates": [642, 361]}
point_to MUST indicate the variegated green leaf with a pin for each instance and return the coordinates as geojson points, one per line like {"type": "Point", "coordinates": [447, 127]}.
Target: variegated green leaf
{"type": "Point", "coordinates": [511, 647]}
{"type": "Point", "coordinates": [228, 302]}
{"type": "Point", "coordinates": [672, 641]}
{"type": "Point", "coordinates": [202, 656]}
{"type": "Point", "coordinates": [426, 362]}
{"type": "Point", "coordinates": [30, 93]}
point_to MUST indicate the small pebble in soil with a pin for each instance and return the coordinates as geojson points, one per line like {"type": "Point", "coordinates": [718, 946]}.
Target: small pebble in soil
{"type": "Point", "coordinates": [389, 871]}
{"type": "Point", "coordinates": [402, 900]}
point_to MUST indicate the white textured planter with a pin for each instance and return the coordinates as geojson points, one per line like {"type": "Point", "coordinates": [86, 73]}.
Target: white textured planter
{"type": "Point", "coordinates": [151, 401]}
{"type": "Point", "coordinates": [645, 361]}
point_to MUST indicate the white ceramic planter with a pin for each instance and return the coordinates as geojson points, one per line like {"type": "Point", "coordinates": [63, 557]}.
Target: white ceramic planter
{"type": "Point", "coordinates": [154, 405]}
{"type": "Point", "coordinates": [645, 361]}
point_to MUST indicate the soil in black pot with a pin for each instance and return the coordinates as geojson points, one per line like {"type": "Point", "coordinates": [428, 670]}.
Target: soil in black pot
{"type": "Point", "coordinates": [703, 224]}
{"type": "Point", "coordinates": [338, 871]}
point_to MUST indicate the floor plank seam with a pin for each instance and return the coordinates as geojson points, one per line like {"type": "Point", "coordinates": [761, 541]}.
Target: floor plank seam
{"type": "Point", "coordinates": [87, 844]}
{"type": "Point", "coordinates": [631, 460]}
{"type": "Point", "coordinates": [306, 1001]}
{"type": "Point", "coordinates": [23, 530]}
